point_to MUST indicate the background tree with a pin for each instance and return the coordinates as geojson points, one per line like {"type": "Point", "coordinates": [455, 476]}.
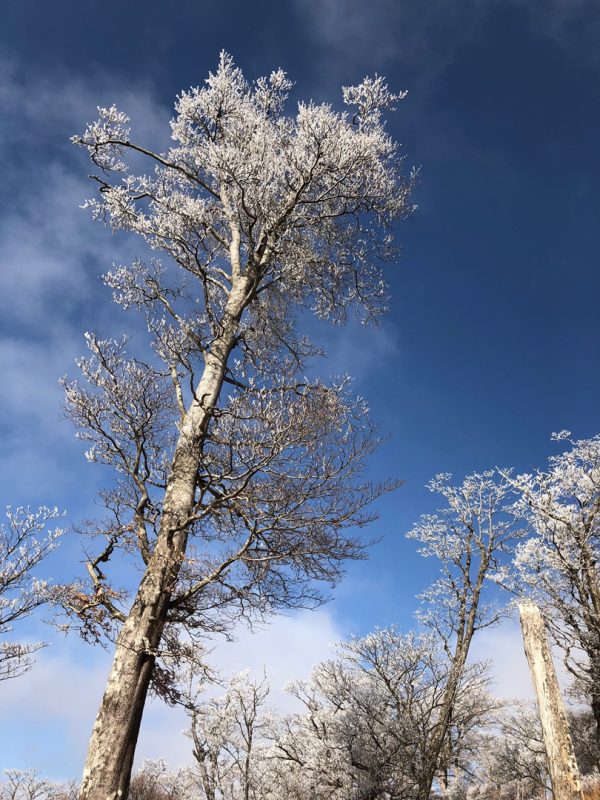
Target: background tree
{"type": "Point", "coordinates": [559, 562]}
{"type": "Point", "coordinates": [512, 763]}
{"type": "Point", "coordinates": [370, 714]}
{"type": "Point", "coordinates": [23, 545]}
{"type": "Point", "coordinates": [230, 736]}
{"type": "Point", "coordinates": [232, 501]}
{"type": "Point", "coordinates": [585, 740]}
{"type": "Point", "coordinates": [30, 785]}
{"type": "Point", "coordinates": [470, 538]}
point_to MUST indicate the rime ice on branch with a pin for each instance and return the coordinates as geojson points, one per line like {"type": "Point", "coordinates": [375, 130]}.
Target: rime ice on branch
{"type": "Point", "coordinates": [371, 720]}
{"type": "Point", "coordinates": [24, 543]}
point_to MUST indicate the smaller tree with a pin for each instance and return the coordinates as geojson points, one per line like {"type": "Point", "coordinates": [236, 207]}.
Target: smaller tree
{"type": "Point", "coordinates": [585, 741]}
{"type": "Point", "coordinates": [370, 714]}
{"type": "Point", "coordinates": [229, 735]}
{"type": "Point", "coordinates": [469, 537]}
{"type": "Point", "coordinates": [30, 785]}
{"type": "Point", "coordinates": [23, 545]}
{"type": "Point", "coordinates": [154, 782]}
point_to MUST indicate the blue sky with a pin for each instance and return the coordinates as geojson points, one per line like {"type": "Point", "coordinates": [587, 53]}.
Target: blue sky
{"type": "Point", "coordinates": [492, 341]}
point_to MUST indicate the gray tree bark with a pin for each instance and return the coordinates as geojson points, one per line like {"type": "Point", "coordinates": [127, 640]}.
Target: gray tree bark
{"type": "Point", "coordinates": [562, 764]}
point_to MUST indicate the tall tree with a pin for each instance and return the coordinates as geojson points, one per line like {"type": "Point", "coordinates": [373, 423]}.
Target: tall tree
{"type": "Point", "coordinates": [237, 475]}
{"type": "Point", "coordinates": [559, 563]}
{"type": "Point", "coordinates": [469, 537]}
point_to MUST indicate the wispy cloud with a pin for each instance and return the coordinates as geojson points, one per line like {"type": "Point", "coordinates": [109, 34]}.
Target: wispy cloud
{"type": "Point", "coordinates": [423, 37]}
{"type": "Point", "coordinates": [50, 259]}
{"type": "Point", "coordinates": [47, 247]}
{"type": "Point", "coordinates": [355, 36]}
{"type": "Point", "coordinates": [572, 24]}
{"type": "Point", "coordinates": [43, 106]}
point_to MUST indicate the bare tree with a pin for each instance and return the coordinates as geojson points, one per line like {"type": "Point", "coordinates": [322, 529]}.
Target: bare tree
{"type": "Point", "coordinates": [469, 538]}
{"type": "Point", "coordinates": [562, 764]}
{"type": "Point", "coordinates": [585, 741]}
{"type": "Point", "coordinates": [23, 545]}
{"type": "Point", "coordinates": [559, 562]}
{"type": "Point", "coordinates": [231, 737]}
{"type": "Point", "coordinates": [237, 476]}
{"type": "Point", "coordinates": [30, 785]}
{"type": "Point", "coordinates": [513, 760]}
{"type": "Point", "coordinates": [153, 781]}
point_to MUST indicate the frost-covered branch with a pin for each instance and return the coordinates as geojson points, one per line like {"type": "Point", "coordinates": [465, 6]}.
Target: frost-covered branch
{"type": "Point", "coordinates": [470, 538]}
{"type": "Point", "coordinates": [231, 739]}
{"type": "Point", "coordinates": [30, 785]}
{"type": "Point", "coordinates": [24, 543]}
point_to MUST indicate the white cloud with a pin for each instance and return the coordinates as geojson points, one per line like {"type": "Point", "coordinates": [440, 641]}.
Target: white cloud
{"type": "Point", "coordinates": [503, 647]}
{"type": "Point", "coordinates": [43, 246]}
{"type": "Point", "coordinates": [284, 650]}
{"type": "Point", "coordinates": [27, 367]}
{"type": "Point", "coordinates": [51, 708]}
{"type": "Point", "coordinates": [63, 691]}
{"type": "Point", "coordinates": [30, 415]}
{"type": "Point", "coordinates": [287, 648]}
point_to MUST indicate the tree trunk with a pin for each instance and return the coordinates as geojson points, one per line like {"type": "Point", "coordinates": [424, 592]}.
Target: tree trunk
{"type": "Point", "coordinates": [110, 757]}
{"type": "Point", "coordinates": [562, 764]}
{"type": "Point", "coordinates": [107, 770]}
{"type": "Point", "coordinates": [111, 752]}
